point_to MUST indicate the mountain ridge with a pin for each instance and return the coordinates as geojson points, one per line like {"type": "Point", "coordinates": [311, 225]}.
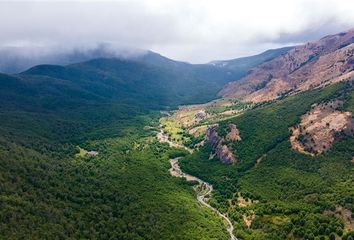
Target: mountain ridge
{"type": "Point", "coordinates": [247, 62]}
{"type": "Point", "coordinates": [314, 64]}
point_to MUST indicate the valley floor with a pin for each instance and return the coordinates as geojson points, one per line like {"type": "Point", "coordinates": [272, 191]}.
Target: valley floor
{"type": "Point", "coordinates": [203, 189]}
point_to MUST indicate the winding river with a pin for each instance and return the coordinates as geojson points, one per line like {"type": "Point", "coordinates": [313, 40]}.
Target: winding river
{"type": "Point", "coordinates": [203, 188]}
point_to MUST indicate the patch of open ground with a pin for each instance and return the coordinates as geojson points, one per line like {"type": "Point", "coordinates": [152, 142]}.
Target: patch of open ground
{"type": "Point", "coordinates": [242, 202]}
{"type": "Point", "coordinates": [259, 160]}
{"type": "Point", "coordinates": [194, 119]}
{"type": "Point", "coordinates": [84, 153]}
{"type": "Point", "coordinates": [345, 214]}
{"type": "Point", "coordinates": [198, 131]}
{"type": "Point", "coordinates": [173, 129]}
{"type": "Point", "coordinates": [249, 215]}
{"type": "Point", "coordinates": [248, 218]}
{"type": "Point", "coordinates": [320, 127]}
{"type": "Point", "coordinates": [233, 134]}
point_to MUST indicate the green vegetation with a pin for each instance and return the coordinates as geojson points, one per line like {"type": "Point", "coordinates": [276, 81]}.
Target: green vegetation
{"type": "Point", "coordinates": [82, 152]}
{"type": "Point", "coordinates": [297, 195]}
{"type": "Point", "coordinates": [50, 189]}
{"type": "Point", "coordinates": [126, 192]}
{"type": "Point", "coordinates": [237, 105]}
{"type": "Point", "coordinates": [174, 131]}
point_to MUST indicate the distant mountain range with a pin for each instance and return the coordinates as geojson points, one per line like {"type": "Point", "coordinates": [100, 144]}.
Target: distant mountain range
{"type": "Point", "coordinates": [245, 63]}
{"type": "Point", "coordinates": [19, 59]}
{"type": "Point", "coordinates": [263, 77]}
{"type": "Point", "coordinates": [144, 78]}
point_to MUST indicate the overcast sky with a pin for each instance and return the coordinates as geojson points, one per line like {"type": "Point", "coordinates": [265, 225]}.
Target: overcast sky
{"type": "Point", "coordinates": [190, 30]}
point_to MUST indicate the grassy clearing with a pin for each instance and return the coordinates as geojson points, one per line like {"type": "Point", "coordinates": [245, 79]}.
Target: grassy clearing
{"type": "Point", "coordinates": [174, 130]}
{"type": "Point", "coordinates": [82, 152]}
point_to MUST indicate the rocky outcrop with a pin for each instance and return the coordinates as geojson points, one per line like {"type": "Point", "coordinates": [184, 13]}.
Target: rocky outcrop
{"type": "Point", "coordinates": [313, 65]}
{"type": "Point", "coordinates": [321, 127]}
{"type": "Point", "coordinates": [222, 151]}
{"type": "Point", "coordinates": [200, 115]}
{"type": "Point", "coordinates": [234, 134]}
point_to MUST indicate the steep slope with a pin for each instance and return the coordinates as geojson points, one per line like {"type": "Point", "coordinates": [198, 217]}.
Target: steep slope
{"type": "Point", "coordinates": [304, 67]}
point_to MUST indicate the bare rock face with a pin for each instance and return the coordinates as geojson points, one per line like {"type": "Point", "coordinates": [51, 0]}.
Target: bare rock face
{"type": "Point", "coordinates": [212, 137]}
{"type": "Point", "coordinates": [234, 134]}
{"type": "Point", "coordinates": [313, 65]}
{"type": "Point", "coordinates": [320, 128]}
{"type": "Point", "coordinates": [222, 151]}
{"type": "Point", "coordinates": [200, 115]}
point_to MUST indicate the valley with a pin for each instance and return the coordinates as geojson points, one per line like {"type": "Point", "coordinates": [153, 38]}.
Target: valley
{"type": "Point", "coordinates": [203, 189]}
{"type": "Point", "coordinates": [147, 147]}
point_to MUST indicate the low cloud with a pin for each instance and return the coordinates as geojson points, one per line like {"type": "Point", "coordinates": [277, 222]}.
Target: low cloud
{"type": "Point", "coordinates": [195, 31]}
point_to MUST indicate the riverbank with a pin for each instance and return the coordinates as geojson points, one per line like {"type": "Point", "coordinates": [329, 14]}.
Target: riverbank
{"type": "Point", "coordinates": [203, 189]}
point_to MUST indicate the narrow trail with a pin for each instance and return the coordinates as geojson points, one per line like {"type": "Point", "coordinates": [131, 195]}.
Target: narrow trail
{"type": "Point", "coordinates": [203, 188]}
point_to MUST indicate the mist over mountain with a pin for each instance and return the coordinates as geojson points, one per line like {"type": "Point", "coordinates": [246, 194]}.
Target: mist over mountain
{"type": "Point", "coordinates": [18, 59]}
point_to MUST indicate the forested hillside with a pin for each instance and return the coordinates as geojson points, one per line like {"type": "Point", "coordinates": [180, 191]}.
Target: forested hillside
{"type": "Point", "coordinates": [274, 192]}
{"type": "Point", "coordinates": [52, 115]}
{"type": "Point", "coordinates": [124, 193]}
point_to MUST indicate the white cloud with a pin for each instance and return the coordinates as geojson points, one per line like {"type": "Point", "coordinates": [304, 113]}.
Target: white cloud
{"type": "Point", "coordinates": [192, 30]}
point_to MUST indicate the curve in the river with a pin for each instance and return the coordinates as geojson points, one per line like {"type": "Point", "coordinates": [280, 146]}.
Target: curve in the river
{"type": "Point", "coordinates": [204, 189]}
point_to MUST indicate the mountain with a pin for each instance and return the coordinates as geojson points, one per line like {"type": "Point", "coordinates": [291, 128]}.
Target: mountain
{"type": "Point", "coordinates": [163, 81]}
{"type": "Point", "coordinates": [123, 80]}
{"type": "Point", "coordinates": [18, 59]}
{"type": "Point", "coordinates": [246, 63]}
{"type": "Point", "coordinates": [136, 86]}
{"type": "Point", "coordinates": [304, 67]}
{"type": "Point", "coordinates": [94, 95]}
